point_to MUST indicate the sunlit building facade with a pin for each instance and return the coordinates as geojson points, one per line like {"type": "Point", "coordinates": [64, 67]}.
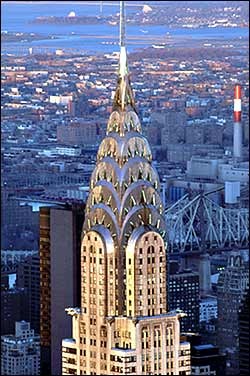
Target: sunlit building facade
{"type": "Point", "coordinates": [123, 325]}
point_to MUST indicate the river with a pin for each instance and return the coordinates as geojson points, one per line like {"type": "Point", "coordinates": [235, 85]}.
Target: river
{"type": "Point", "coordinates": [16, 17]}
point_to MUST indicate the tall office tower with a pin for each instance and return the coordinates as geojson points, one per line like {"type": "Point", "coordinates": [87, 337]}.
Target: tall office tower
{"type": "Point", "coordinates": [184, 292]}
{"type": "Point", "coordinates": [232, 283]}
{"type": "Point", "coordinates": [28, 278]}
{"type": "Point", "coordinates": [123, 325]}
{"type": "Point", "coordinates": [244, 334]}
{"type": "Point", "coordinates": [20, 353]}
{"type": "Point", "coordinates": [60, 242]}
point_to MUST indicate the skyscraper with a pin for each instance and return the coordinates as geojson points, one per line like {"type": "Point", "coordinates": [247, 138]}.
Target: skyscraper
{"type": "Point", "coordinates": [28, 278]}
{"type": "Point", "coordinates": [184, 291]}
{"type": "Point", "coordinates": [232, 283]}
{"type": "Point", "coordinates": [123, 325]}
{"type": "Point", "coordinates": [244, 334]}
{"type": "Point", "coordinates": [60, 241]}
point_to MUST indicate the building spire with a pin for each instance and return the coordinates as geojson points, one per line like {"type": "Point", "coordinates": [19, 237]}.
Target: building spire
{"type": "Point", "coordinates": [123, 64]}
{"type": "Point", "coordinates": [122, 23]}
{"type": "Point", "coordinates": [123, 96]}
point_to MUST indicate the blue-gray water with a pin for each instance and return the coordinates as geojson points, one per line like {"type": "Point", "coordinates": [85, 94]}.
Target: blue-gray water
{"type": "Point", "coordinates": [16, 17]}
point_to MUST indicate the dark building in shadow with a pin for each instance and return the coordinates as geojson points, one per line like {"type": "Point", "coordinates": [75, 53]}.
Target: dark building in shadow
{"type": "Point", "coordinates": [28, 278]}
{"type": "Point", "coordinates": [183, 294]}
{"type": "Point", "coordinates": [60, 241]}
{"type": "Point", "coordinates": [205, 357]}
{"type": "Point", "coordinates": [232, 283]}
{"type": "Point", "coordinates": [244, 334]}
{"type": "Point", "coordinates": [14, 307]}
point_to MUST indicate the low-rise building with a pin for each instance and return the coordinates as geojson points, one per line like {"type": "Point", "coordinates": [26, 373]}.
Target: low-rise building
{"type": "Point", "coordinates": [20, 352]}
{"type": "Point", "coordinates": [206, 360]}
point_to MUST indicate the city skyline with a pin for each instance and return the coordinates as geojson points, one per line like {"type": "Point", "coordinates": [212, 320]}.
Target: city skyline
{"type": "Point", "coordinates": [68, 121]}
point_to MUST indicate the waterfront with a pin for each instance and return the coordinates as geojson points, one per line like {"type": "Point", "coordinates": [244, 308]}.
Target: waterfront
{"type": "Point", "coordinates": [95, 38]}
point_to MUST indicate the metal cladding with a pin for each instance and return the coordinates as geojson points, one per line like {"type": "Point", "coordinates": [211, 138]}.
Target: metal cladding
{"type": "Point", "coordinates": [237, 140]}
{"type": "Point", "coordinates": [125, 187]}
{"type": "Point", "coordinates": [124, 258]}
{"type": "Point", "coordinates": [237, 103]}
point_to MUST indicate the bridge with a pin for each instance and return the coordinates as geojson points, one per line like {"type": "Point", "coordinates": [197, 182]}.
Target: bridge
{"type": "Point", "coordinates": [200, 223]}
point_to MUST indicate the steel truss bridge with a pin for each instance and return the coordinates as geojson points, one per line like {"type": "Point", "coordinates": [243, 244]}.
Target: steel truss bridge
{"type": "Point", "coordinates": [199, 223]}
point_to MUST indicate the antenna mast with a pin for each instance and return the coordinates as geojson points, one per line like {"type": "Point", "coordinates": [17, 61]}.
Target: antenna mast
{"type": "Point", "coordinates": [122, 23]}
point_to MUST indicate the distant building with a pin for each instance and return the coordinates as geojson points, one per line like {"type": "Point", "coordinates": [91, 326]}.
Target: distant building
{"type": "Point", "coordinates": [183, 294]}
{"type": "Point", "coordinates": [206, 168]}
{"type": "Point", "coordinates": [206, 360]}
{"type": "Point", "coordinates": [166, 127]}
{"type": "Point", "coordinates": [194, 134]}
{"type": "Point", "coordinates": [14, 307]}
{"type": "Point", "coordinates": [228, 172]}
{"type": "Point", "coordinates": [72, 108]}
{"type": "Point", "coordinates": [60, 236]}
{"type": "Point", "coordinates": [20, 353]}
{"type": "Point", "coordinates": [244, 334]}
{"type": "Point", "coordinates": [205, 357]}
{"type": "Point", "coordinates": [173, 128]}
{"type": "Point", "coordinates": [15, 218]}
{"type": "Point", "coordinates": [217, 169]}
{"type": "Point", "coordinates": [204, 133]}
{"type": "Point", "coordinates": [60, 99]}
{"type": "Point", "coordinates": [78, 133]}
{"type": "Point", "coordinates": [193, 108]}
{"type": "Point", "coordinates": [72, 151]}
{"type": "Point", "coordinates": [232, 283]}
{"type": "Point", "coordinates": [179, 153]}
{"type": "Point", "coordinates": [28, 277]}
{"type": "Point", "coordinates": [154, 134]}
{"type": "Point", "coordinates": [208, 308]}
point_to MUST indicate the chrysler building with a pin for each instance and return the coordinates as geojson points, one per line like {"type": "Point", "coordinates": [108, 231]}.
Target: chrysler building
{"type": "Point", "coordinates": [123, 326]}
